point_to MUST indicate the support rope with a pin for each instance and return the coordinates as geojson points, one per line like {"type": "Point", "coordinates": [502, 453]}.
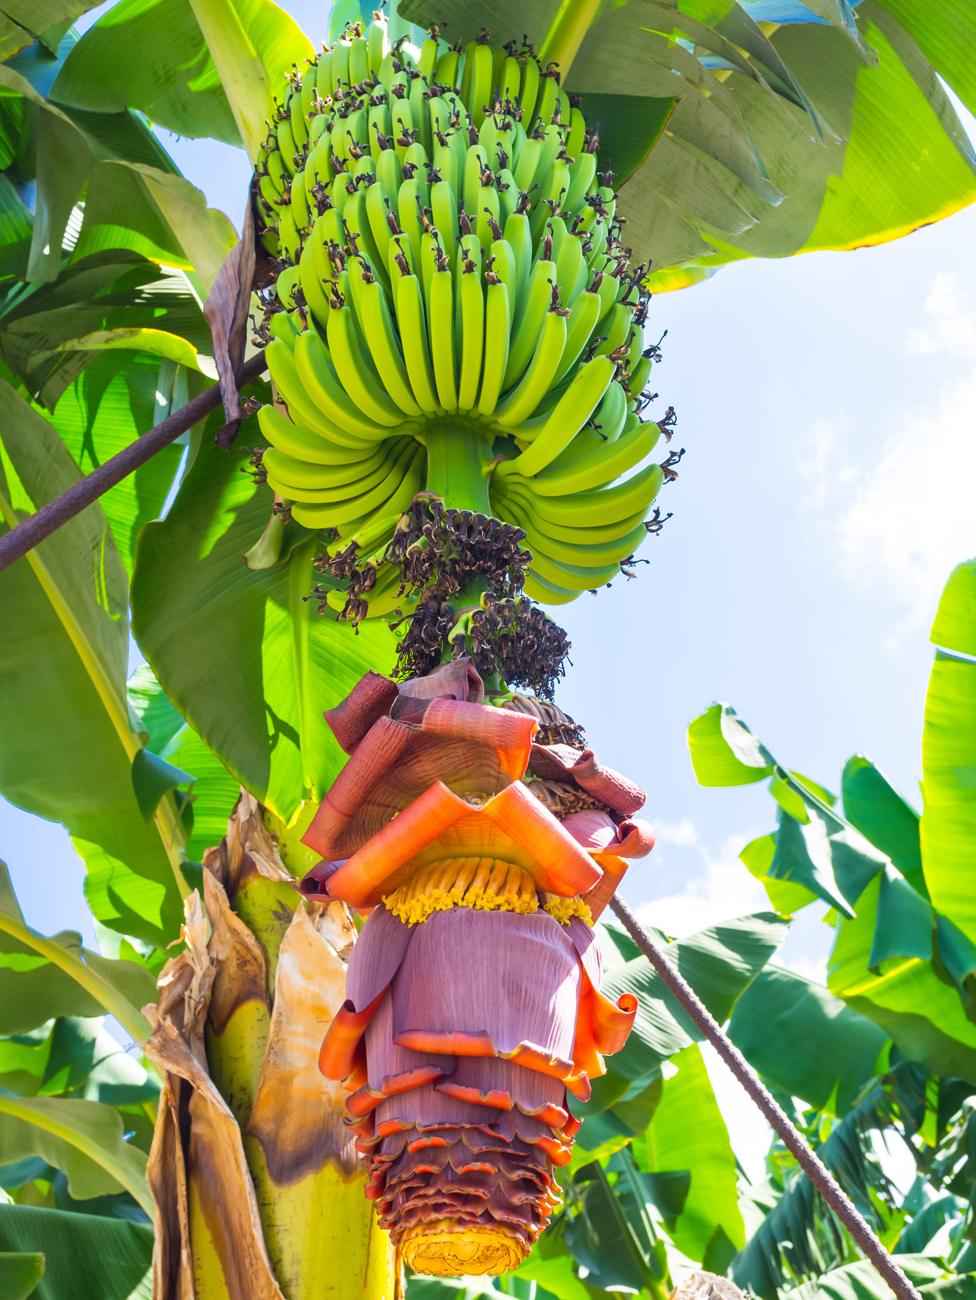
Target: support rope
{"type": "Point", "coordinates": [49, 518]}
{"type": "Point", "coordinates": [808, 1160]}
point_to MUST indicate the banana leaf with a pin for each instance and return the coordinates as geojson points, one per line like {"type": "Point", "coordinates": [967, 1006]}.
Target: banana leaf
{"type": "Point", "coordinates": [84, 1254]}
{"type": "Point", "coordinates": [200, 69]}
{"type": "Point", "coordinates": [794, 127]}
{"type": "Point", "coordinates": [798, 1238]}
{"type": "Point", "coordinates": [134, 197]}
{"type": "Point", "coordinates": [948, 826]}
{"type": "Point", "coordinates": [69, 745]}
{"type": "Point", "coordinates": [805, 1042]}
{"type": "Point", "coordinates": [689, 1133]}
{"type": "Point", "coordinates": [245, 656]}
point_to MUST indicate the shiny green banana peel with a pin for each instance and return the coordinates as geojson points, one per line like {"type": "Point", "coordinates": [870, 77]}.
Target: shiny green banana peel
{"type": "Point", "coordinates": [455, 313]}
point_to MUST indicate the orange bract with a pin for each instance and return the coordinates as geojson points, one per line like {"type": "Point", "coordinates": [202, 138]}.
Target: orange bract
{"type": "Point", "coordinates": [473, 1000]}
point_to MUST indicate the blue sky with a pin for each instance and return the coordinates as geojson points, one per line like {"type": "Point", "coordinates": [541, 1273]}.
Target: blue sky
{"type": "Point", "coordinates": [827, 407]}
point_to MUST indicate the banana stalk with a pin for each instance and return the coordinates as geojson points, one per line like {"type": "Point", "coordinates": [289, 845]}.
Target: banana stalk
{"type": "Point", "coordinates": [255, 1179]}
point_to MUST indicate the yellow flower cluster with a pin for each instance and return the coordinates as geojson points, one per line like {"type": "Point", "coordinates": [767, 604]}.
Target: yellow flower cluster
{"type": "Point", "coordinates": [486, 884]}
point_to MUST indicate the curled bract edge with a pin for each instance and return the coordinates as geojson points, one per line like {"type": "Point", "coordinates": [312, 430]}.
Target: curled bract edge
{"type": "Point", "coordinates": [473, 1009]}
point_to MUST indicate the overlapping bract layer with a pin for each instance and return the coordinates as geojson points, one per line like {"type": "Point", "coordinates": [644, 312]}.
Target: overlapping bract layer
{"type": "Point", "coordinates": [471, 1017]}
{"type": "Point", "coordinates": [452, 265]}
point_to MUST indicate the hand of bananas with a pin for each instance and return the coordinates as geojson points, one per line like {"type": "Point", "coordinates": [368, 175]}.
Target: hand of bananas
{"type": "Point", "coordinates": [451, 262]}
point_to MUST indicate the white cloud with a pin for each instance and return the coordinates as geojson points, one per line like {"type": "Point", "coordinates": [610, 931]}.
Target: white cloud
{"type": "Point", "coordinates": [951, 327]}
{"type": "Point", "coordinates": [812, 966]}
{"type": "Point", "coordinates": [720, 890]}
{"type": "Point", "coordinates": [683, 833]}
{"type": "Point", "coordinates": [911, 519]}
{"type": "Point", "coordinates": [904, 519]}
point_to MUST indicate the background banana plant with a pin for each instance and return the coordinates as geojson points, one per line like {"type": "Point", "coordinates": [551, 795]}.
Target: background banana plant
{"type": "Point", "coordinates": [739, 130]}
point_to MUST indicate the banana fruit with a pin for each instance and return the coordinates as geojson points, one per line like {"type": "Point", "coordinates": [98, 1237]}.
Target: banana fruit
{"type": "Point", "coordinates": [449, 255]}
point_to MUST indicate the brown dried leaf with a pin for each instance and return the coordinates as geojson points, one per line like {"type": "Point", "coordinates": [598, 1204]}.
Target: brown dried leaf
{"type": "Point", "coordinates": [197, 1156]}
{"type": "Point", "coordinates": [239, 972]}
{"type": "Point", "coordinates": [227, 309]}
{"type": "Point", "coordinates": [215, 1171]}
{"type": "Point", "coordinates": [297, 1115]}
{"type": "Point", "coordinates": [706, 1286]}
{"type": "Point", "coordinates": [250, 847]}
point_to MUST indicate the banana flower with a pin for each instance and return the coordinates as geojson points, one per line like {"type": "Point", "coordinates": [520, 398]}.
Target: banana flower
{"type": "Point", "coordinates": [481, 858]}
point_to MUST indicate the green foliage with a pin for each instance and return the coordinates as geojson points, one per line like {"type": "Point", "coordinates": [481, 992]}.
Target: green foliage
{"type": "Point", "coordinates": [771, 146]}
{"type": "Point", "coordinates": [133, 196]}
{"type": "Point", "coordinates": [20, 1272]}
{"type": "Point", "coordinates": [833, 1052]}
{"type": "Point", "coordinates": [790, 134]}
{"type": "Point", "coordinates": [70, 745]}
{"type": "Point", "coordinates": [948, 825]}
{"type": "Point", "coordinates": [84, 1254]}
{"type": "Point", "coordinates": [689, 1136]}
{"type": "Point", "coordinates": [275, 662]}
{"type": "Point", "coordinates": [200, 69]}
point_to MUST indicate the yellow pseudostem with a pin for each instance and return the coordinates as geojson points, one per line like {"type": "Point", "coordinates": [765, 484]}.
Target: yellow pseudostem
{"type": "Point", "coordinates": [256, 1183]}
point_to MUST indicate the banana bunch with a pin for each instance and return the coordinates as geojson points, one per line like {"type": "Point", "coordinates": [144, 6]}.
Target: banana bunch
{"type": "Point", "coordinates": [450, 260]}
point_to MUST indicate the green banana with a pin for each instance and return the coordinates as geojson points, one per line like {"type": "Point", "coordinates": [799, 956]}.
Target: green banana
{"type": "Point", "coordinates": [354, 367]}
{"type": "Point", "coordinates": [381, 336]}
{"type": "Point", "coordinates": [317, 373]}
{"type": "Point", "coordinates": [596, 469]}
{"type": "Point", "coordinates": [520, 403]}
{"type": "Point", "coordinates": [287, 372]}
{"type": "Point", "coordinates": [571, 412]}
{"type": "Point", "coordinates": [605, 505]}
{"type": "Point", "coordinates": [472, 318]}
{"type": "Point", "coordinates": [296, 481]}
{"type": "Point", "coordinates": [448, 250]}
{"type": "Point", "coordinates": [303, 443]}
{"type": "Point", "coordinates": [440, 321]}
{"type": "Point", "coordinates": [394, 493]}
{"type": "Point", "coordinates": [498, 321]}
{"type": "Point", "coordinates": [412, 324]}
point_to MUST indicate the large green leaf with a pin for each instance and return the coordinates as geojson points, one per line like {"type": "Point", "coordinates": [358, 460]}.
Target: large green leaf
{"type": "Point", "coordinates": [75, 1057]}
{"type": "Point", "coordinates": [133, 196]}
{"type": "Point", "coordinates": [797, 127]}
{"type": "Point", "coordinates": [612, 1233]}
{"type": "Point", "coordinates": [805, 1042]}
{"type": "Point", "coordinates": [84, 1139]}
{"type": "Point", "coordinates": [688, 1132]}
{"type": "Point", "coordinates": [68, 745]}
{"type": "Point", "coordinates": [719, 963]}
{"type": "Point", "coordinates": [921, 1012]}
{"type": "Point", "coordinates": [798, 1238]}
{"type": "Point", "coordinates": [108, 406]}
{"type": "Point", "coordinates": [954, 628]}
{"type": "Point", "coordinates": [724, 751]}
{"type": "Point", "coordinates": [815, 852]}
{"type": "Point", "coordinates": [859, 1281]}
{"type": "Point", "coordinates": [948, 825]}
{"type": "Point", "coordinates": [245, 656]}
{"type": "Point", "coordinates": [23, 20]}
{"type": "Point", "coordinates": [214, 790]}
{"type": "Point", "coordinates": [20, 1273]}
{"type": "Point", "coordinates": [883, 816]}
{"type": "Point", "coordinates": [198, 67]}
{"type": "Point", "coordinates": [45, 327]}
{"type": "Point", "coordinates": [42, 977]}
{"type": "Point", "coordinates": [85, 1255]}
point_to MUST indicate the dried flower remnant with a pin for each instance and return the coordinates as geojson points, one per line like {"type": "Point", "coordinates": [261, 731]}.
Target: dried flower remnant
{"type": "Point", "coordinates": [473, 1004]}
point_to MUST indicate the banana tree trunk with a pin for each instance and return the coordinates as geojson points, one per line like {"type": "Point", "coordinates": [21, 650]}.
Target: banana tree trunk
{"type": "Point", "coordinates": [256, 1181]}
